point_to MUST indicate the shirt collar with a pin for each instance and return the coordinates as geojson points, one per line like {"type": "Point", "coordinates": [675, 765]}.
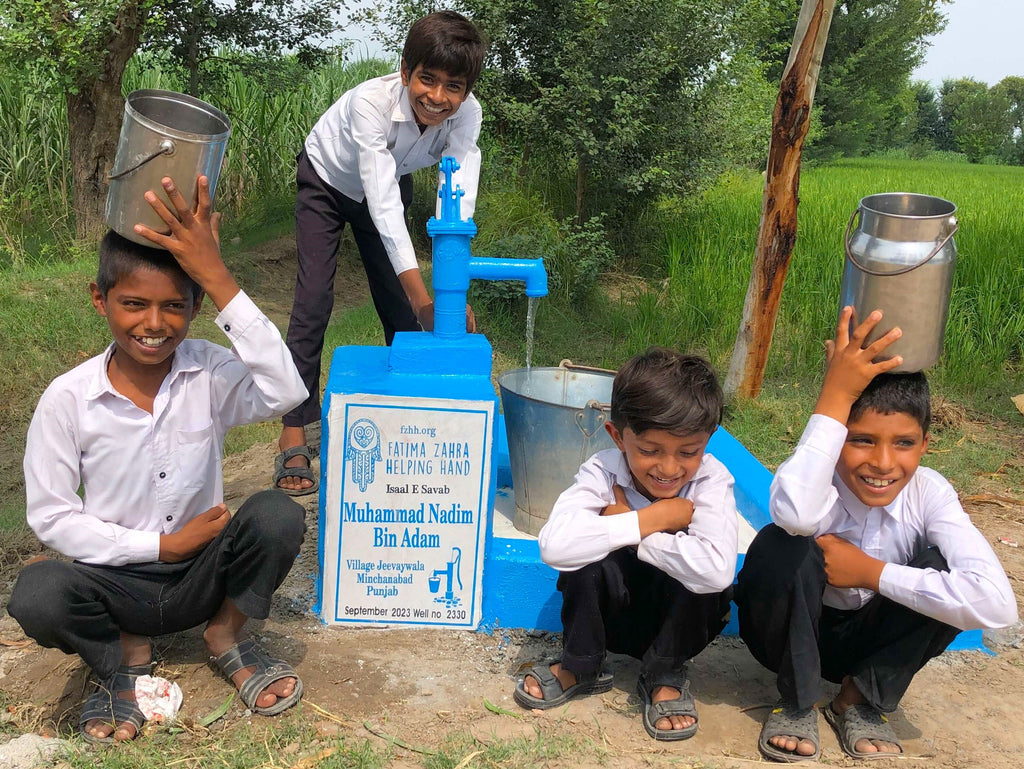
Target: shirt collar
{"type": "Point", "coordinates": [100, 385]}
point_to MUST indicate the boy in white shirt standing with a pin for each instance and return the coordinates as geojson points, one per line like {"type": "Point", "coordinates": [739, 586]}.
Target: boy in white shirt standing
{"type": "Point", "coordinates": [356, 168]}
{"type": "Point", "coordinates": [645, 540]}
{"type": "Point", "coordinates": [871, 566]}
{"type": "Point", "coordinates": [140, 428]}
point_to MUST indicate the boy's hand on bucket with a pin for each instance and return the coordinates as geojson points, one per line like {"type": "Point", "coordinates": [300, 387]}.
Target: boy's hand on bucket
{"type": "Point", "coordinates": [851, 366]}
{"type": "Point", "coordinates": [194, 239]}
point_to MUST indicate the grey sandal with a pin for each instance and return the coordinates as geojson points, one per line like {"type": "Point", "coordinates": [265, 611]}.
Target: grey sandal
{"type": "Point", "coordinates": [554, 694]}
{"type": "Point", "coordinates": [789, 722]}
{"type": "Point", "coordinates": [246, 654]}
{"type": "Point", "coordinates": [104, 704]}
{"type": "Point", "coordinates": [305, 473]}
{"type": "Point", "coordinates": [861, 722]}
{"type": "Point", "coordinates": [683, 705]}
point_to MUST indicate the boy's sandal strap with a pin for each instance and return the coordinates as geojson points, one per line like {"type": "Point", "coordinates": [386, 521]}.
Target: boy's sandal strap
{"type": "Point", "coordinates": [105, 705]}
{"type": "Point", "coordinates": [862, 722]}
{"type": "Point", "coordinates": [789, 722]}
{"type": "Point", "coordinates": [305, 473]}
{"type": "Point", "coordinates": [683, 705]}
{"type": "Point", "coordinates": [267, 670]}
{"type": "Point", "coordinates": [554, 695]}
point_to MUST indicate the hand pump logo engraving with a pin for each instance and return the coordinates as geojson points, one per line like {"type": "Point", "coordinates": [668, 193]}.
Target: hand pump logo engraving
{"type": "Point", "coordinates": [363, 451]}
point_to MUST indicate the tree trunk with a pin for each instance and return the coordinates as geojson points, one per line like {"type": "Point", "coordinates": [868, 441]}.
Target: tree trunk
{"type": "Point", "coordinates": [776, 234]}
{"type": "Point", "coordinates": [94, 121]}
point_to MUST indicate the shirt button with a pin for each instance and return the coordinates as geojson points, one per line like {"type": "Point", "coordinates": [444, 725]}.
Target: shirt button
{"type": "Point", "coordinates": [163, 475]}
{"type": "Point", "coordinates": [227, 326]}
{"type": "Point", "coordinates": [170, 518]}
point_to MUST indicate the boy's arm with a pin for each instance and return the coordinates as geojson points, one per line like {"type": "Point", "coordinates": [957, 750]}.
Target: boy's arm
{"type": "Point", "coordinates": [54, 511]}
{"type": "Point", "coordinates": [702, 558]}
{"type": "Point", "coordinates": [576, 534]}
{"type": "Point", "coordinates": [802, 493]}
{"type": "Point", "coordinates": [974, 593]}
{"type": "Point", "coordinates": [262, 381]}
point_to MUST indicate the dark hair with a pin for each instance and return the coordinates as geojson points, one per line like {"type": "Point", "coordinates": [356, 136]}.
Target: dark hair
{"type": "Point", "coordinates": [120, 257]}
{"type": "Point", "coordinates": [662, 389]}
{"type": "Point", "coordinates": [896, 394]}
{"type": "Point", "coordinates": [447, 41]}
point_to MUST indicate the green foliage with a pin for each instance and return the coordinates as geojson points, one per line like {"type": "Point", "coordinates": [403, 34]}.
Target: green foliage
{"type": "Point", "coordinates": [1012, 90]}
{"type": "Point", "coordinates": [210, 40]}
{"type": "Point", "coordinates": [979, 119]}
{"type": "Point", "coordinates": [62, 44]}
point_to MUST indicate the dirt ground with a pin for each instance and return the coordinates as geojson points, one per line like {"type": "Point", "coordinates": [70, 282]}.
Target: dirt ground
{"type": "Point", "coordinates": [419, 685]}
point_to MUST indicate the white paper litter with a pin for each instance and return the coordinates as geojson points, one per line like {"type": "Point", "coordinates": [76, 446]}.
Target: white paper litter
{"type": "Point", "coordinates": [158, 698]}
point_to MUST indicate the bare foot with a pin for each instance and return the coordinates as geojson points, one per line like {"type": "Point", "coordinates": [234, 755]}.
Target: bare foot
{"type": "Point", "coordinates": [663, 694]}
{"type": "Point", "coordinates": [290, 438]}
{"type": "Point", "coordinates": [565, 678]}
{"type": "Point", "coordinates": [794, 745]}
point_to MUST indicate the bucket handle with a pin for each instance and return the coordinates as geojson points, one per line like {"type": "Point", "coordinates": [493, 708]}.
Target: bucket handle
{"type": "Point", "coordinates": [902, 270]}
{"type": "Point", "coordinates": [166, 148]}
{"type": "Point", "coordinates": [568, 364]}
{"type": "Point", "coordinates": [600, 408]}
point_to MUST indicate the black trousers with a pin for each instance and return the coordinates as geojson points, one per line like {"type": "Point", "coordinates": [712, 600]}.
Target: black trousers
{"type": "Point", "coordinates": [82, 609]}
{"type": "Point", "coordinates": [321, 213]}
{"type": "Point", "coordinates": [624, 605]}
{"type": "Point", "coordinates": [782, 620]}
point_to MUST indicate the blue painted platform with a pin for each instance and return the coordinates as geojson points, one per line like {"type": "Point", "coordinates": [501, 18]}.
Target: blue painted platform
{"type": "Point", "coordinates": [519, 589]}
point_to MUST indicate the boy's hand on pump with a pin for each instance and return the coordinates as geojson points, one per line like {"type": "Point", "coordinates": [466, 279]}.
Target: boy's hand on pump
{"type": "Point", "coordinates": [850, 367]}
{"type": "Point", "coordinates": [194, 535]}
{"type": "Point", "coordinates": [846, 565]}
{"type": "Point", "coordinates": [194, 239]}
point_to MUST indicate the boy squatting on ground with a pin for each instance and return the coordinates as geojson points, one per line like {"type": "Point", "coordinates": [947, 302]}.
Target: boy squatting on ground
{"type": "Point", "coordinates": [645, 540]}
{"type": "Point", "coordinates": [871, 565]}
{"type": "Point", "coordinates": [356, 167]}
{"type": "Point", "coordinates": [141, 428]}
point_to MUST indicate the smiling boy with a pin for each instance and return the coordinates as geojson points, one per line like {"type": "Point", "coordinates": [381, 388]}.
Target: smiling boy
{"type": "Point", "coordinates": [123, 476]}
{"type": "Point", "coordinates": [871, 566]}
{"type": "Point", "coordinates": [645, 542]}
{"type": "Point", "coordinates": [356, 168]}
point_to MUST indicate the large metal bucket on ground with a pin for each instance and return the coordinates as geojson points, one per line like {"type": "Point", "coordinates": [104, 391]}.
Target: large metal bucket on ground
{"type": "Point", "coordinates": [900, 260]}
{"type": "Point", "coordinates": [555, 420]}
{"type": "Point", "coordinates": [163, 134]}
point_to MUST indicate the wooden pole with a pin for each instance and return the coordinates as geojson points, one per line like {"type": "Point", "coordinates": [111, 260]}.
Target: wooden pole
{"type": "Point", "coordinates": [776, 234]}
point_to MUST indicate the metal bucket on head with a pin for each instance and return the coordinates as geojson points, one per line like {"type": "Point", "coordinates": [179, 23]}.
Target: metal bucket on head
{"type": "Point", "coordinates": [163, 134]}
{"type": "Point", "coordinates": [555, 420]}
{"type": "Point", "coordinates": [900, 260]}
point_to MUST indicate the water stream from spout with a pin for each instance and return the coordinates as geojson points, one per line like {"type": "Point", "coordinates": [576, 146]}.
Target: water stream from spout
{"type": "Point", "coordinates": [531, 313]}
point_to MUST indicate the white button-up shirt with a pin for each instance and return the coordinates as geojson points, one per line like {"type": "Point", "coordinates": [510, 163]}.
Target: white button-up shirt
{"type": "Point", "coordinates": [145, 474]}
{"type": "Point", "coordinates": [369, 138]}
{"type": "Point", "coordinates": [809, 499]}
{"type": "Point", "coordinates": [702, 558]}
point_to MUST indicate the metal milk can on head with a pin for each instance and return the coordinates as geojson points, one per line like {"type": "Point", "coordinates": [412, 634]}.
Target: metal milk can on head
{"type": "Point", "coordinates": [900, 260]}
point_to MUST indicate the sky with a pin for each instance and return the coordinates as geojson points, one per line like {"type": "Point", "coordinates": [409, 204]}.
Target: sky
{"type": "Point", "coordinates": [984, 39]}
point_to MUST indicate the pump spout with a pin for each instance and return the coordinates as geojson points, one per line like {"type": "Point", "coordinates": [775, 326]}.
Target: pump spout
{"type": "Point", "coordinates": [530, 271]}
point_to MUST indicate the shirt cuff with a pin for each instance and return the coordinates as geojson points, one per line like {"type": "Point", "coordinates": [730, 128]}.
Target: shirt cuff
{"type": "Point", "coordinates": [237, 315]}
{"type": "Point", "coordinates": [824, 435]}
{"type": "Point", "coordinates": [623, 529]}
{"type": "Point", "coordinates": [143, 546]}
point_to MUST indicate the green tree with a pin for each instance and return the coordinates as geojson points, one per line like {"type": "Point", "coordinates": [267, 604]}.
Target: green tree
{"type": "Point", "coordinates": [978, 118]}
{"type": "Point", "coordinates": [79, 48]}
{"type": "Point", "coordinates": [928, 125]}
{"type": "Point", "coordinates": [1012, 89]}
{"type": "Point", "coordinates": [207, 38]}
{"type": "Point", "coordinates": [618, 93]}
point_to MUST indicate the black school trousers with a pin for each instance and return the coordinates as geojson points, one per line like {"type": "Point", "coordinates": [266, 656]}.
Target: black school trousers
{"type": "Point", "coordinates": [782, 620]}
{"type": "Point", "coordinates": [321, 213]}
{"type": "Point", "coordinates": [82, 609]}
{"type": "Point", "coordinates": [622, 604]}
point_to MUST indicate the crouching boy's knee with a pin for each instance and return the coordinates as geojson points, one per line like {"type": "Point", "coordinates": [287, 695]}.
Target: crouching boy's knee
{"type": "Point", "coordinates": [273, 516]}
{"type": "Point", "coordinates": [42, 596]}
{"type": "Point", "coordinates": [776, 560]}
